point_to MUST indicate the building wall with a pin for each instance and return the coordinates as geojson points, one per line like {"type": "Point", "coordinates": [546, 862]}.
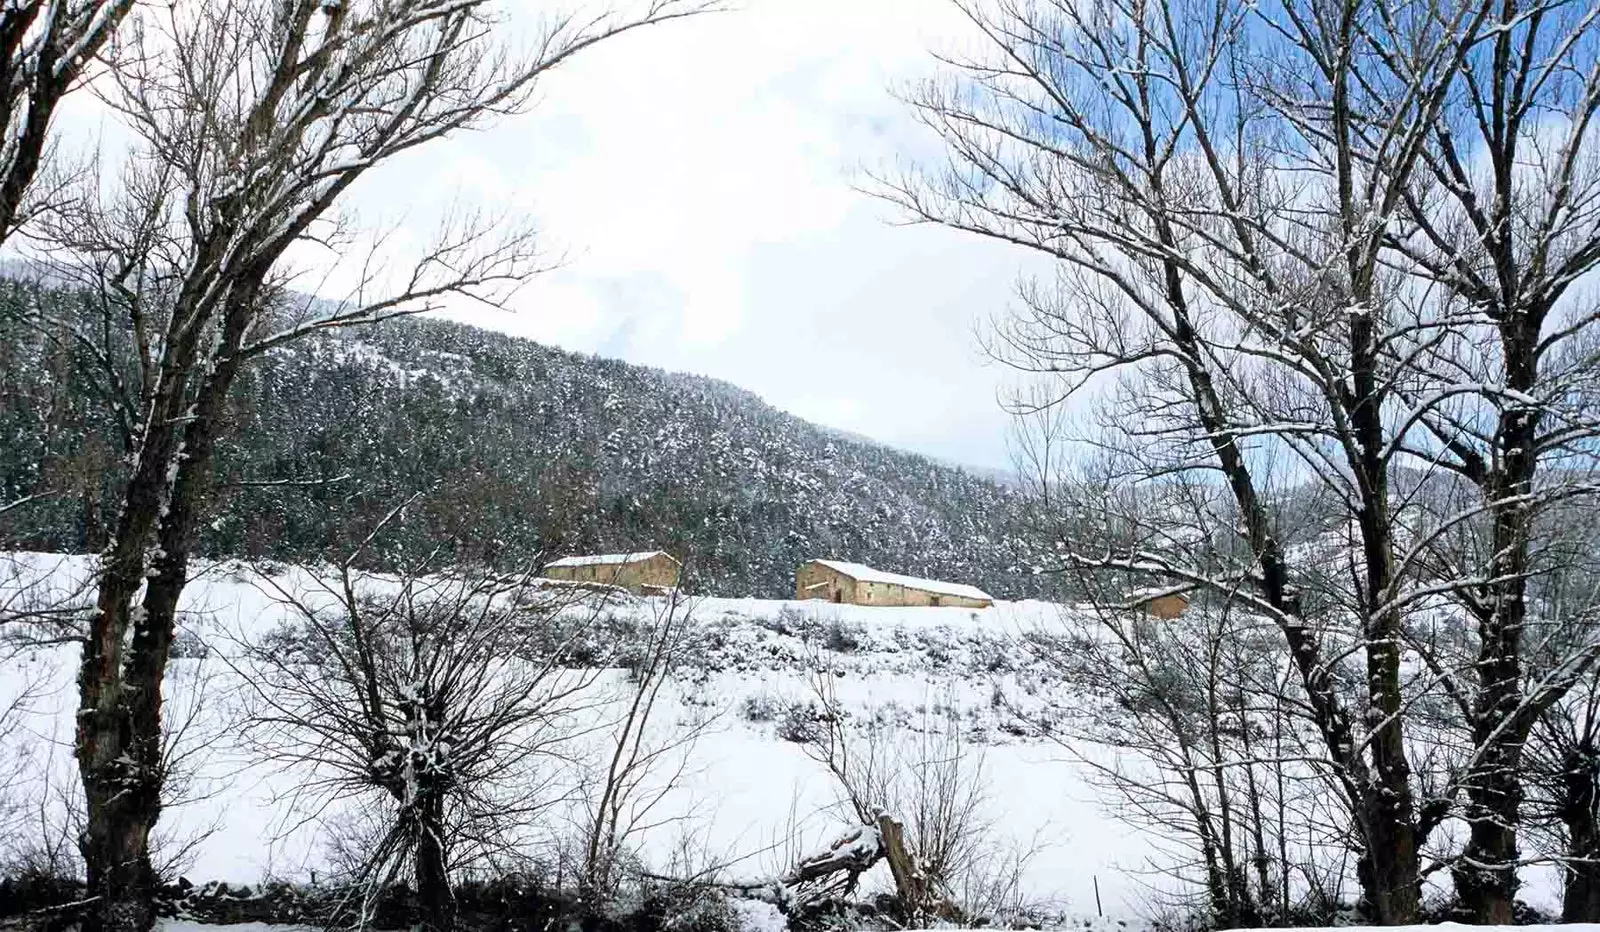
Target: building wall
{"type": "Point", "coordinates": [815, 581]}
{"type": "Point", "coordinates": [894, 594]}
{"type": "Point", "coordinates": [1168, 606]}
{"type": "Point", "coordinates": [837, 587]}
{"type": "Point", "coordinates": [658, 572]}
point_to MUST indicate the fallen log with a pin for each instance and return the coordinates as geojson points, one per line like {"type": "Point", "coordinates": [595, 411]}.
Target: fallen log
{"type": "Point", "coordinates": [835, 872]}
{"type": "Point", "coordinates": [854, 852]}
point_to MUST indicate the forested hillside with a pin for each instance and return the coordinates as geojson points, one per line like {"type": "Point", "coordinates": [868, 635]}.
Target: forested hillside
{"type": "Point", "coordinates": [514, 448]}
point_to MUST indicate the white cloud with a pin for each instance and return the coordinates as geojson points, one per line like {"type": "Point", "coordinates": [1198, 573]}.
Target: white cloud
{"type": "Point", "coordinates": [697, 178]}
{"type": "Point", "coordinates": [701, 178]}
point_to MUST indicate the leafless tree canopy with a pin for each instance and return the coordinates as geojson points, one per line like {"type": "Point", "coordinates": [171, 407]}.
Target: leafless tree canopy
{"type": "Point", "coordinates": [643, 758]}
{"type": "Point", "coordinates": [1320, 287]}
{"type": "Point", "coordinates": [919, 803]}
{"type": "Point", "coordinates": [440, 705]}
{"type": "Point", "coordinates": [46, 51]}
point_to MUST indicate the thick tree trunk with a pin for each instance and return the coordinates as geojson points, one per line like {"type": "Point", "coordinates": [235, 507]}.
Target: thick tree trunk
{"type": "Point", "coordinates": [1580, 900]}
{"type": "Point", "coordinates": [1581, 889]}
{"type": "Point", "coordinates": [1580, 895]}
{"type": "Point", "coordinates": [118, 738]}
{"type": "Point", "coordinates": [120, 762]}
{"type": "Point", "coordinates": [116, 849]}
{"type": "Point", "coordinates": [190, 495]}
{"type": "Point", "coordinates": [119, 754]}
{"type": "Point", "coordinates": [437, 899]}
{"type": "Point", "coordinates": [1390, 869]}
{"type": "Point", "coordinates": [921, 901]}
{"type": "Point", "coordinates": [1486, 879]}
{"type": "Point", "coordinates": [1389, 816]}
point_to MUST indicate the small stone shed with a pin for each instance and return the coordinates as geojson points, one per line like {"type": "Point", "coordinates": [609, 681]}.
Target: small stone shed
{"type": "Point", "coordinates": [1159, 603]}
{"type": "Point", "coordinates": [646, 573]}
{"type": "Point", "coordinates": [855, 584]}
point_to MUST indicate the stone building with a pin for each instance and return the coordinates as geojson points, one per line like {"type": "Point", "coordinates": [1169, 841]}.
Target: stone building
{"type": "Point", "coordinates": [1159, 603]}
{"type": "Point", "coordinates": [640, 573]}
{"type": "Point", "coordinates": [854, 584]}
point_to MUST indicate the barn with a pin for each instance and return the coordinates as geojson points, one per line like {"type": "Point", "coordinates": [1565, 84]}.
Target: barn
{"type": "Point", "coordinates": [855, 584]}
{"type": "Point", "coordinates": [1159, 603]}
{"type": "Point", "coordinates": [647, 573]}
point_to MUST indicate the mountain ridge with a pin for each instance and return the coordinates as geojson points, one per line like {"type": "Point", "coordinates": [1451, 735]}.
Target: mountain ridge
{"type": "Point", "coordinates": [518, 449]}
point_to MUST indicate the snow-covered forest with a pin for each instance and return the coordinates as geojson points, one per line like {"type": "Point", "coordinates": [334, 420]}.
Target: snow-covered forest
{"type": "Point", "coordinates": [524, 449]}
{"type": "Point", "coordinates": [1298, 576]}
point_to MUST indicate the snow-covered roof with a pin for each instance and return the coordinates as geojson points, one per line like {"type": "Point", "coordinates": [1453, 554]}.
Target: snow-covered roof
{"type": "Point", "coordinates": [1149, 593]}
{"type": "Point", "coordinates": [610, 559]}
{"type": "Point", "coordinates": [861, 573]}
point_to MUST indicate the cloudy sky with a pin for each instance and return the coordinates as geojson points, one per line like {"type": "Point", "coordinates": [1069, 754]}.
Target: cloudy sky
{"type": "Point", "coordinates": [702, 181]}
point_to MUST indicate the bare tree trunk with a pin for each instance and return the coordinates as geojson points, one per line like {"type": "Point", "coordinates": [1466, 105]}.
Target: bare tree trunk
{"type": "Point", "coordinates": [116, 850]}
{"type": "Point", "coordinates": [192, 340]}
{"type": "Point", "coordinates": [922, 902]}
{"type": "Point", "coordinates": [118, 735]}
{"type": "Point", "coordinates": [1486, 875]}
{"type": "Point", "coordinates": [119, 755]}
{"type": "Point", "coordinates": [433, 869]}
{"type": "Point", "coordinates": [1580, 901]}
{"type": "Point", "coordinates": [1390, 869]}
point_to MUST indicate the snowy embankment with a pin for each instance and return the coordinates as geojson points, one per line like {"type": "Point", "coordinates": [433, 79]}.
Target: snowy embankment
{"type": "Point", "coordinates": [750, 796]}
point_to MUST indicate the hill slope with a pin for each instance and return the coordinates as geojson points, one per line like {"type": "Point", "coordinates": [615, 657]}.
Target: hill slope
{"type": "Point", "coordinates": [517, 448]}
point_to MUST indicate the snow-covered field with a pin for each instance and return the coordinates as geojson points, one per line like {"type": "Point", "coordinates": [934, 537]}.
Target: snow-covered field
{"type": "Point", "coordinates": [749, 796]}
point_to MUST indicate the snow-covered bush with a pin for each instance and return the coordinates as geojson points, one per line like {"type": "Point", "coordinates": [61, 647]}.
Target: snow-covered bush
{"type": "Point", "coordinates": [686, 907]}
{"type": "Point", "coordinates": [760, 708]}
{"type": "Point", "coordinates": [438, 702]}
{"type": "Point", "coordinates": [843, 637]}
{"type": "Point", "coordinates": [803, 722]}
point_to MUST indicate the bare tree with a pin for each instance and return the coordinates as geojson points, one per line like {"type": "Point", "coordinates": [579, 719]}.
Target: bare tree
{"type": "Point", "coordinates": [442, 704]}
{"type": "Point", "coordinates": [1563, 773]}
{"type": "Point", "coordinates": [919, 803]}
{"type": "Point", "coordinates": [1506, 401]}
{"type": "Point", "coordinates": [252, 119]}
{"type": "Point", "coordinates": [41, 809]}
{"type": "Point", "coordinates": [1237, 196]}
{"type": "Point", "coordinates": [1561, 759]}
{"type": "Point", "coordinates": [46, 50]}
{"type": "Point", "coordinates": [1186, 725]}
{"type": "Point", "coordinates": [645, 758]}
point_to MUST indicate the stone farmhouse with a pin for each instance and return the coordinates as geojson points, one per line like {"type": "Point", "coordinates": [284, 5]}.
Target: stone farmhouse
{"type": "Point", "coordinates": [854, 584]}
{"type": "Point", "coordinates": [1159, 603]}
{"type": "Point", "coordinates": [649, 573]}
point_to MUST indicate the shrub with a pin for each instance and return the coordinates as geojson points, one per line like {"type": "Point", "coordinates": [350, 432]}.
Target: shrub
{"type": "Point", "coordinates": [685, 907]}
{"type": "Point", "coordinates": [188, 645]}
{"type": "Point", "coordinates": [802, 722]}
{"type": "Point", "coordinates": [760, 708]}
{"type": "Point", "coordinates": [789, 621]}
{"type": "Point", "coordinates": [30, 890]}
{"type": "Point", "coordinates": [842, 637]}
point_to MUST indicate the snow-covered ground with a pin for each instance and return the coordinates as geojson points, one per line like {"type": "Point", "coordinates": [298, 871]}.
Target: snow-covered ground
{"type": "Point", "coordinates": [749, 797]}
